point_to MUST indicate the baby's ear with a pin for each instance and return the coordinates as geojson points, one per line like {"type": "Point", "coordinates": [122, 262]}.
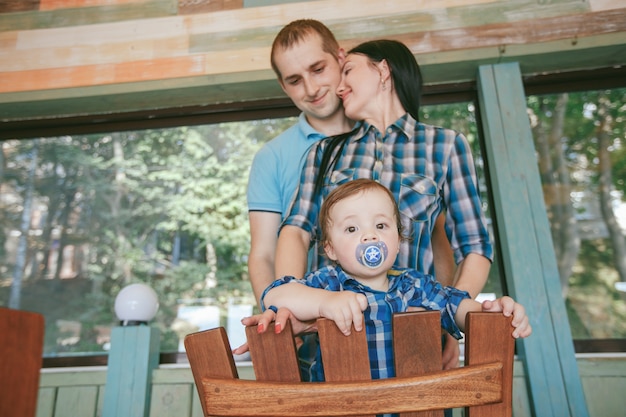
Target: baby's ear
{"type": "Point", "coordinates": [330, 251]}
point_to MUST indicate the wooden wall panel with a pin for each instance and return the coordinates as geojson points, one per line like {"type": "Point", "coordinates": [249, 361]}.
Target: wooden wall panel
{"type": "Point", "coordinates": [84, 50]}
{"type": "Point", "coordinates": [71, 4]}
{"type": "Point", "coordinates": [205, 6]}
{"type": "Point", "coordinates": [88, 15]}
{"type": "Point", "coordinates": [11, 6]}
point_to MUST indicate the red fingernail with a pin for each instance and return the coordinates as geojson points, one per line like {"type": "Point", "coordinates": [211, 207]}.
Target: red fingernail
{"type": "Point", "coordinates": [259, 328]}
{"type": "Point", "coordinates": [277, 328]}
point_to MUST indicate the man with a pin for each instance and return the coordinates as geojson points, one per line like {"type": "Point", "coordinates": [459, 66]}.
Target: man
{"type": "Point", "coordinates": [307, 61]}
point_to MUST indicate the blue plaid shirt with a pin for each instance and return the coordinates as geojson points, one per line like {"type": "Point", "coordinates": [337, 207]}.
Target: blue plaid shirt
{"type": "Point", "coordinates": [407, 288]}
{"type": "Point", "coordinates": [428, 169]}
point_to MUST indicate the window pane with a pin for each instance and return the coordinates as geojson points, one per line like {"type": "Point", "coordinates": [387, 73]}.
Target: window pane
{"type": "Point", "coordinates": [580, 144]}
{"type": "Point", "coordinates": [84, 216]}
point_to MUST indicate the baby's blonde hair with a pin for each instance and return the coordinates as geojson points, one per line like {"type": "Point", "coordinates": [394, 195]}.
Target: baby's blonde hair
{"type": "Point", "coordinates": [349, 189]}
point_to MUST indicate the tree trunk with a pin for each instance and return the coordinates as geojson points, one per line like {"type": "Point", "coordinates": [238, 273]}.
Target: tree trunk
{"type": "Point", "coordinates": [606, 185]}
{"type": "Point", "coordinates": [557, 189]}
{"type": "Point", "coordinates": [570, 239]}
{"type": "Point", "coordinates": [22, 246]}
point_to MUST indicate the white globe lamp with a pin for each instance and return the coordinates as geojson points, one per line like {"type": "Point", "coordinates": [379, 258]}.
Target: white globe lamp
{"type": "Point", "coordinates": [136, 304]}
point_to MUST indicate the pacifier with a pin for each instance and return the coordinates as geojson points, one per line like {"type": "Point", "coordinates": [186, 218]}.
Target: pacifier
{"type": "Point", "coordinates": [371, 254]}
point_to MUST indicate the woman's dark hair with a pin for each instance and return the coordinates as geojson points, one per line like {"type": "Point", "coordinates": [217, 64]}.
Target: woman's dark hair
{"type": "Point", "coordinates": [407, 82]}
{"type": "Point", "coordinates": [405, 72]}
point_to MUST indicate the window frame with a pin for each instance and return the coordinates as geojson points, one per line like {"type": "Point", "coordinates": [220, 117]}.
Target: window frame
{"type": "Point", "coordinates": [614, 77]}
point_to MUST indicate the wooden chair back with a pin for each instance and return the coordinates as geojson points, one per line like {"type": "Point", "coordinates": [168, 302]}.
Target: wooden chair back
{"type": "Point", "coordinates": [421, 388]}
{"type": "Point", "coordinates": [21, 358]}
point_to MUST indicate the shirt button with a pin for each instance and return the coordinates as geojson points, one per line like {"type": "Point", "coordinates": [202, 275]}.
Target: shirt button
{"type": "Point", "coordinates": [420, 188]}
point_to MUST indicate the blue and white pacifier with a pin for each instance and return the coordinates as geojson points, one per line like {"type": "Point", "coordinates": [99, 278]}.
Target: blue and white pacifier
{"type": "Point", "coordinates": [371, 254]}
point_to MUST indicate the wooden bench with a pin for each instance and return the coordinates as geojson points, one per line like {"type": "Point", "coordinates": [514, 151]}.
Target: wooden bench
{"type": "Point", "coordinates": [421, 388]}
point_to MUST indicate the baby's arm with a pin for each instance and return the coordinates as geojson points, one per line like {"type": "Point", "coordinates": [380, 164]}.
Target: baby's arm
{"type": "Point", "coordinates": [306, 303]}
{"type": "Point", "coordinates": [506, 305]}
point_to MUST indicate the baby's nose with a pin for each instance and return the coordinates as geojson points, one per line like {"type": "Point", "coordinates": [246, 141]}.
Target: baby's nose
{"type": "Point", "coordinates": [369, 237]}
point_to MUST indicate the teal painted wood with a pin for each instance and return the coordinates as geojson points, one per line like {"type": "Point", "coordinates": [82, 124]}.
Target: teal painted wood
{"type": "Point", "coordinates": [134, 355]}
{"type": "Point", "coordinates": [171, 400]}
{"type": "Point", "coordinates": [76, 401]}
{"type": "Point", "coordinates": [45, 402]}
{"type": "Point", "coordinates": [60, 390]}
{"type": "Point", "coordinates": [518, 248]}
{"type": "Point", "coordinates": [528, 257]}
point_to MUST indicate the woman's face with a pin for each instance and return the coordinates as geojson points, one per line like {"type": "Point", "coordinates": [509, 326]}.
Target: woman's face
{"type": "Point", "coordinates": [359, 87]}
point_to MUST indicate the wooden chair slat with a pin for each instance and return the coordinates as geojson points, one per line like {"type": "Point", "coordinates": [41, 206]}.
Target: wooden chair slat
{"type": "Point", "coordinates": [421, 353]}
{"type": "Point", "coordinates": [274, 356]}
{"type": "Point", "coordinates": [210, 356]}
{"type": "Point", "coordinates": [344, 358]}
{"type": "Point", "coordinates": [495, 345]}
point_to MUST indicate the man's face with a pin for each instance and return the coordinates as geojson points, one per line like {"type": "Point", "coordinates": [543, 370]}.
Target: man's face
{"type": "Point", "coordinates": [310, 78]}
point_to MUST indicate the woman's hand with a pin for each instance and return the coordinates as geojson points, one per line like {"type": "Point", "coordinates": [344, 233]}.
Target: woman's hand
{"type": "Point", "coordinates": [509, 307]}
{"type": "Point", "coordinates": [263, 320]}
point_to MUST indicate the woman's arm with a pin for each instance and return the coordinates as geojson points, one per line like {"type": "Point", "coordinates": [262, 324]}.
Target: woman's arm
{"type": "Point", "coordinates": [472, 273]}
{"type": "Point", "coordinates": [506, 305]}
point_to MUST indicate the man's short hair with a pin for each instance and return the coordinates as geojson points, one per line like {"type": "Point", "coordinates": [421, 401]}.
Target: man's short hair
{"type": "Point", "coordinates": [298, 30]}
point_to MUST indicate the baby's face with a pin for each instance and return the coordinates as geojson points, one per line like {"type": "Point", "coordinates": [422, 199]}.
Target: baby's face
{"type": "Point", "coordinates": [363, 237]}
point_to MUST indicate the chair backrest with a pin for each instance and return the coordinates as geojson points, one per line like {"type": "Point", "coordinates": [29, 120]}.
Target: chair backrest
{"type": "Point", "coordinates": [21, 358]}
{"type": "Point", "coordinates": [421, 388]}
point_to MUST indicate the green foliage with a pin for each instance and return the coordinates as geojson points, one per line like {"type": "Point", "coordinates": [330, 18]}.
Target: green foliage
{"type": "Point", "coordinates": [567, 130]}
{"type": "Point", "coordinates": [165, 207]}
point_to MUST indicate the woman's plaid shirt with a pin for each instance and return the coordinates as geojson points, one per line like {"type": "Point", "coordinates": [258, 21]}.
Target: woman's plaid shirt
{"type": "Point", "coordinates": [428, 169]}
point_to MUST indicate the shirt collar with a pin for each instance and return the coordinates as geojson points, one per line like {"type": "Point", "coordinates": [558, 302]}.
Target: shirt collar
{"type": "Point", "coordinates": [307, 130]}
{"type": "Point", "coordinates": [348, 282]}
{"type": "Point", "coordinates": [406, 124]}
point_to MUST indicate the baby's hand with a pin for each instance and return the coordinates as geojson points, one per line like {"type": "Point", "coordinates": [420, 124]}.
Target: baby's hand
{"type": "Point", "coordinates": [509, 307]}
{"type": "Point", "coordinates": [345, 308]}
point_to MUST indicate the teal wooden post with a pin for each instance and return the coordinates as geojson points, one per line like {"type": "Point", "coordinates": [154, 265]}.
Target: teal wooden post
{"type": "Point", "coordinates": [134, 354]}
{"type": "Point", "coordinates": [528, 256]}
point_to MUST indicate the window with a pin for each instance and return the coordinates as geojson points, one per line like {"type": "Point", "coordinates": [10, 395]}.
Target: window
{"type": "Point", "coordinates": [85, 215]}
{"type": "Point", "coordinates": [580, 140]}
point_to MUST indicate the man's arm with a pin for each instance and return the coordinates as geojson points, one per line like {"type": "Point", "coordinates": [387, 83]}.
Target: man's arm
{"type": "Point", "coordinates": [292, 252]}
{"type": "Point", "coordinates": [263, 239]}
{"type": "Point", "coordinates": [472, 273]}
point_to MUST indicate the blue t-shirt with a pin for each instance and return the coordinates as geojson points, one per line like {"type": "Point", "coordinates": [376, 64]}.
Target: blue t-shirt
{"type": "Point", "coordinates": [275, 172]}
